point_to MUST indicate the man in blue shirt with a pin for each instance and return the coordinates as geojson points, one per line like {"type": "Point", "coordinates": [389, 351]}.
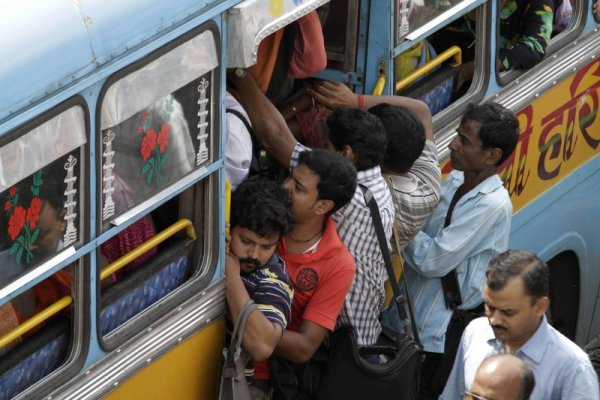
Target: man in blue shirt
{"type": "Point", "coordinates": [516, 300]}
{"type": "Point", "coordinates": [469, 227]}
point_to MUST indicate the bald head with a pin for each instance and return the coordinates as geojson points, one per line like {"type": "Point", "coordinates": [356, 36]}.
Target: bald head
{"type": "Point", "coordinates": [503, 377]}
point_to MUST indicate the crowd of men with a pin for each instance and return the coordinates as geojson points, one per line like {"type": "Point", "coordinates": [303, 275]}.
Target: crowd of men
{"type": "Point", "coordinates": [324, 268]}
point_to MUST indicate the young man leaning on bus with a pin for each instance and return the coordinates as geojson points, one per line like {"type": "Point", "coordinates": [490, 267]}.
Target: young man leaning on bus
{"type": "Point", "coordinates": [320, 267]}
{"type": "Point", "coordinates": [260, 216]}
{"type": "Point", "coordinates": [469, 227]}
{"type": "Point", "coordinates": [360, 137]}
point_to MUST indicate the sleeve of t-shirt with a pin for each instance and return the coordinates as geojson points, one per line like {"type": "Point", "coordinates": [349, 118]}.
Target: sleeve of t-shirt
{"type": "Point", "coordinates": [273, 298]}
{"type": "Point", "coordinates": [327, 301]}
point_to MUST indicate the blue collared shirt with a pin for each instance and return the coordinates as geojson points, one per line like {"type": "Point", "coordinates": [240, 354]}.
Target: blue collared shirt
{"type": "Point", "coordinates": [477, 233]}
{"type": "Point", "coordinates": [561, 369]}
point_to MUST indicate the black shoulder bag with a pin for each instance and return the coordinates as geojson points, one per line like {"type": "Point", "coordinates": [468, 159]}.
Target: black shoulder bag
{"type": "Point", "coordinates": [388, 370]}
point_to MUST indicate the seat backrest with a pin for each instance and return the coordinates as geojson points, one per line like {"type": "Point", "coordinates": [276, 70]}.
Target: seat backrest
{"type": "Point", "coordinates": [35, 358]}
{"type": "Point", "coordinates": [146, 285]}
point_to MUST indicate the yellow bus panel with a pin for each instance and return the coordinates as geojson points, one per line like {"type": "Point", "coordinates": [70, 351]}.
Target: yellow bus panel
{"type": "Point", "coordinates": [188, 371]}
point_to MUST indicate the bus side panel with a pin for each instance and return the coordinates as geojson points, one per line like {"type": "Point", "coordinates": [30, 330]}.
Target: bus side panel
{"type": "Point", "coordinates": [188, 371]}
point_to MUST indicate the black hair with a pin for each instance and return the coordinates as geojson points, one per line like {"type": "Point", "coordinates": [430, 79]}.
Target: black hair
{"type": "Point", "coordinates": [512, 263]}
{"type": "Point", "coordinates": [499, 127]}
{"type": "Point", "coordinates": [363, 132]}
{"type": "Point", "coordinates": [262, 206]}
{"type": "Point", "coordinates": [337, 176]}
{"type": "Point", "coordinates": [405, 134]}
{"type": "Point", "coordinates": [527, 383]}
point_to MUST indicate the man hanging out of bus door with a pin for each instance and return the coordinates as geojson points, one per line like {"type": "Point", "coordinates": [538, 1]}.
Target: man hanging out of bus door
{"type": "Point", "coordinates": [360, 137]}
{"type": "Point", "coordinates": [260, 217]}
{"type": "Point", "coordinates": [446, 261]}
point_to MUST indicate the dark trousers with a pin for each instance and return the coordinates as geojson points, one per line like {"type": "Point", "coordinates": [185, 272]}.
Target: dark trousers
{"type": "Point", "coordinates": [432, 383]}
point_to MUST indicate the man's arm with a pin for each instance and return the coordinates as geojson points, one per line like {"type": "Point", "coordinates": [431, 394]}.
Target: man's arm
{"type": "Point", "coordinates": [335, 95]}
{"type": "Point", "coordinates": [300, 346]}
{"type": "Point", "coordinates": [268, 124]}
{"type": "Point", "coordinates": [261, 335]}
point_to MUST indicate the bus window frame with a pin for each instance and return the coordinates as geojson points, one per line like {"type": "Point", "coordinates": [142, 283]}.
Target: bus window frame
{"type": "Point", "coordinates": [75, 253]}
{"type": "Point", "coordinates": [203, 268]}
{"type": "Point", "coordinates": [84, 209]}
{"type": "Point", "coordinates": [562, 40]}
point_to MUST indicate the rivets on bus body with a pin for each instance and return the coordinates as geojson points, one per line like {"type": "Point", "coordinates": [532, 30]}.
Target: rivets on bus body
{"type": "Point", "coordinates": [88, 372]}
{"type": "Point", "coordinates": [60, 83]}
{"type": "Point", "coordinates": [553, 82]}
{"type": "Point", "coordinates": [149, 329]}
{"type": "Point", "coordinates": [148, 360]}
{"type": "Point", "coordinates": [537, 95]}
{"type": "Point", "coordinates": [116, 383]}
{"type": "Point", "coordinates": [554, 56]}
{"type": "Point", "coordinates": [179, 309]}
{"type": "Point", "coordinates": [118, 350]}
{"type": "Point", "coordinates": [180, 340]}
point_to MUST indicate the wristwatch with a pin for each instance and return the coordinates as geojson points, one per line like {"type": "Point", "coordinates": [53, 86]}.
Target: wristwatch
{"type": "Point", "coordinates": [240, 73]}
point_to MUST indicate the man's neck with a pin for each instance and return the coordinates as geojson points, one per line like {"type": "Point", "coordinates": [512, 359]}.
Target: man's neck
{"type": "Point", "coordinates": [474, 178]}
{"type": "Point", "coordinates": [513, 346]}
{"type": "Point", "coordinates": [304, 235]}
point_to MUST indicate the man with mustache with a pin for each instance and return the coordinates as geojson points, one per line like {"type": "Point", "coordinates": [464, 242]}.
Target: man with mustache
{"type": "Point", "coordinates": [260, 216]}
{"type": "Point", "coordinates": [445, 262]}
{"type": "Point", "coordinates": [516, 295]}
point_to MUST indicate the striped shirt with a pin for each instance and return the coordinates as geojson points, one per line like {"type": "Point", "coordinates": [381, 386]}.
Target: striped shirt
{"type": "Point", "coordinates": [416, 195]}
{"type": "Point", "coordinates": [364, 301]}
{"type": "Point", "coordinates": [271, 290]}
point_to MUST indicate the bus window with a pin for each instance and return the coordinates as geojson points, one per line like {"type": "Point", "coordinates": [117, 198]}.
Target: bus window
{"type": "Point", "coordinates": [158, 126]}
{"type": "Point", "coordinates": [412, 15]}
{"type": "Point", "coordinates": [41, 193]}
{"type": "Point", "coordinates": [155, 125]}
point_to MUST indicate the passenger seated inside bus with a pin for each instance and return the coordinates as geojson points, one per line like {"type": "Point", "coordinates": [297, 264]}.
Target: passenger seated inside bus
{"type": "Point", "coordinates": [525, 31]}
{"type": "Point", "coordinates": [260, 216]}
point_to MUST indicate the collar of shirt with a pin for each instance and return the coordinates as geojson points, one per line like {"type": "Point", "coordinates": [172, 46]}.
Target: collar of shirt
{"type": "Point", "coordinates": [368, 174]}
{"type": "Point", "coordinates": [488, 185]}
{"type": "Point", "coordinates": [534, 348]}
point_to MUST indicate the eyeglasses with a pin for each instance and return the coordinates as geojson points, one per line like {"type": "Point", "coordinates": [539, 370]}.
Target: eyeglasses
{"type": "Point", "coordinates": [474, 396]}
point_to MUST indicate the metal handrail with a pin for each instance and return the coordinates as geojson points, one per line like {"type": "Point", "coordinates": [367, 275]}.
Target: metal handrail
{"type": "Point", "coordinates": [147, 245]}
{"type": "Point", "coordinates": [452, 52]}
{"type": "Point", "coordinates": [37, 319]}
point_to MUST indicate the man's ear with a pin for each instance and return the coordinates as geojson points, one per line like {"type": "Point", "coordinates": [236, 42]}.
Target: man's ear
{"type": "Point", "coordinates": [541, 305]}
{"type": "Point", "coordinates": [348, 153]}
{"type": "Point", "coordinates": [495, 154]}
{"type": "Point", "coordinates": [322, 207]}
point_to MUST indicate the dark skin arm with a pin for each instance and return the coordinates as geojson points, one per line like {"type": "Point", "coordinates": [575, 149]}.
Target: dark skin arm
{"type": "Point", "coordinates": [261, 335]}
{"type": "Point", "coordinates": [300, 346]}
{"type": "Point", "coordinates": [335, 94]}
{"type": "Point", "coordinates": [268, 124]}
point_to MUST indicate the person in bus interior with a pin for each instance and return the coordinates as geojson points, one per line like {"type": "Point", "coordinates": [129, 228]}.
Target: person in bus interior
{"type": "Point", "coordinates": [445, 262]}
{"type": "Point", "coordinates": [516, 294]}
{"type": "Point", "coordinates": [360, 137]}
{"type": "Point", "coordinates": [260, 215]}
{"type": "Point", "coordinates": [525, 32]}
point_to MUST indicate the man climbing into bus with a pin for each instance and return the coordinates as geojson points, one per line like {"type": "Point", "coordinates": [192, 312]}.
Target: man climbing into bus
{"type": "Point", "coordinates": [359, 137]}
{"type": "Point", "coordinates": [516, 294]}
{"type": "Point", "coordinates": [445, 262]}
{"type": "Point", "coordinates": [410, 163]}
{"type": "Point", "coordinates": [260, 216]}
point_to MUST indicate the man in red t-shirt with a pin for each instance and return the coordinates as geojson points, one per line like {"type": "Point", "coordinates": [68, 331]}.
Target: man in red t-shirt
{"type": "Point", "coordinates": [319, 265]}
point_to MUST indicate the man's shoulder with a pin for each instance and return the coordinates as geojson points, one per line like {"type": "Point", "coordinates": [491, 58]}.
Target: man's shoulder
{"type": "Point", "coordinates": [564, 348]}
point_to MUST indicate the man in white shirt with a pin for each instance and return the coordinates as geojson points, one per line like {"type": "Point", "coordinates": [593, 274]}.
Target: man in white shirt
{"type": "Point", "coordinates": [238, 150]}
{"type": "Point", "coordinates": [516, 297]}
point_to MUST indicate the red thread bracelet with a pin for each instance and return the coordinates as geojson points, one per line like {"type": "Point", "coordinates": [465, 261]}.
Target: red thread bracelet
{"type": "Point", "coordinates": [361, 101]}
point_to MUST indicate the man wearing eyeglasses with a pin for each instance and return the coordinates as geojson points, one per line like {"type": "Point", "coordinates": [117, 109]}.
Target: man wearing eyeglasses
{"type": "Point", "coordinates": [502, 377]}
{"type": "Point", "coordinates": [516, 296]}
